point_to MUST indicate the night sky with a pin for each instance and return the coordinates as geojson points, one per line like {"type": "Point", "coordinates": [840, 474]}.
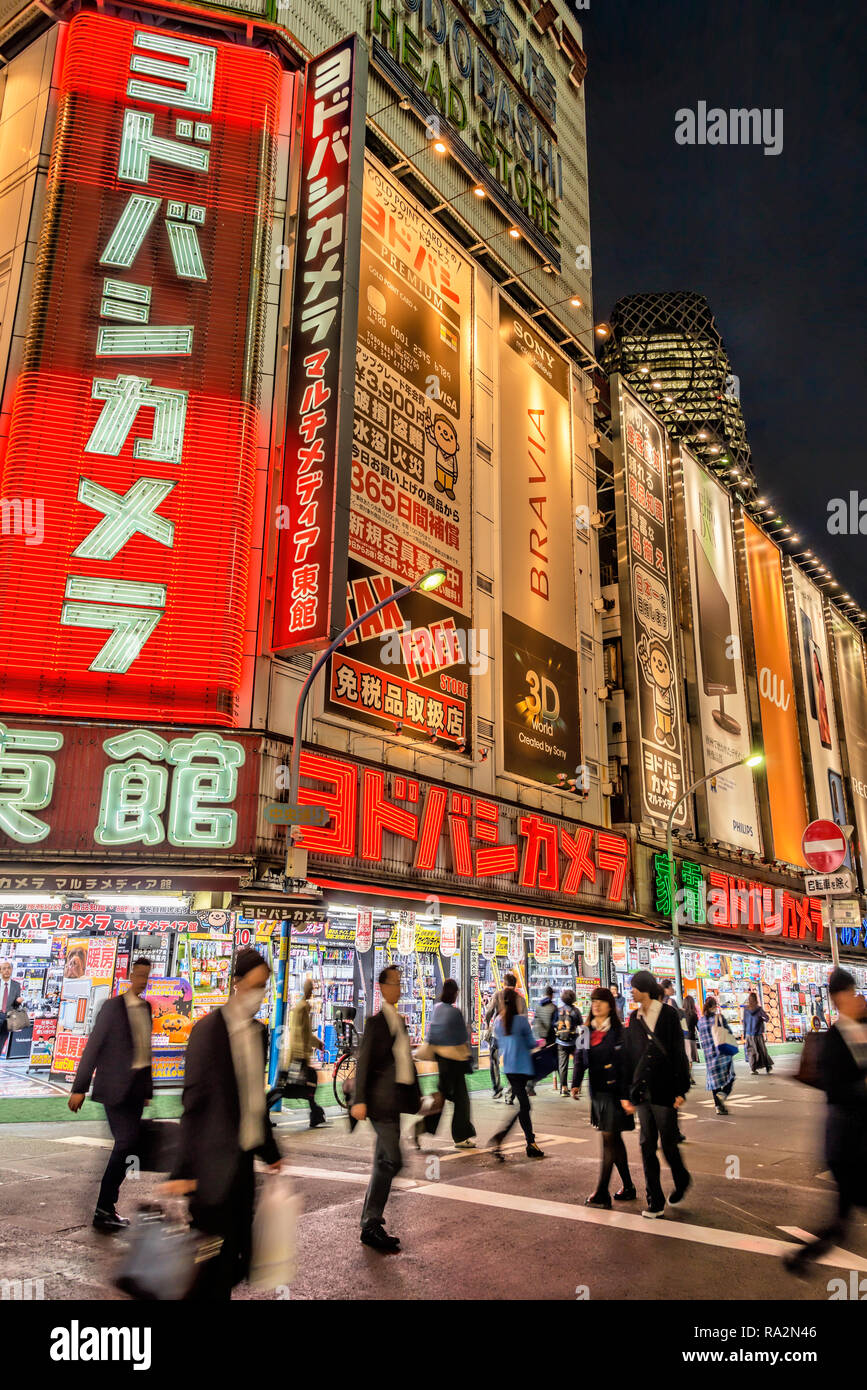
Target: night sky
{"type": "Point", "coordinates": [775, 243]}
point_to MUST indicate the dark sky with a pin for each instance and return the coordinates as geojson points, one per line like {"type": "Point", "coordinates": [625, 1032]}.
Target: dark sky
{"type": "Point", "coordinates": [776, 243]}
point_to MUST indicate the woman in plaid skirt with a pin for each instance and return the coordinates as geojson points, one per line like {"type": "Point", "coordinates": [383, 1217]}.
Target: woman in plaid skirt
{"type": "Point", "coordinates": [720, 1069]}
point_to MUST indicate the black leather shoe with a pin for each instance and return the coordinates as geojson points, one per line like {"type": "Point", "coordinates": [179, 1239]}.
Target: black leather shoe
{"type": "Point", "coordinates": [378, 1239]}
{"type": "Point", "coordinates": [679, 1193]}
{"type": "Point", "coordinates": [108, 1222]}
{"type": "Point", "coordinates": [601, 1203]}
{"type": "Point", "coordinates": [626, 1194]}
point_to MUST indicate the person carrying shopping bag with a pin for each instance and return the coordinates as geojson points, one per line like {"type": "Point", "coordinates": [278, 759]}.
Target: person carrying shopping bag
{"type": "Point", "coordinates": [448, 1041]}
{"type": "Point", "coordinates": [719, 1061]}
{"type": "Point", "coordinates": [756, 1049]}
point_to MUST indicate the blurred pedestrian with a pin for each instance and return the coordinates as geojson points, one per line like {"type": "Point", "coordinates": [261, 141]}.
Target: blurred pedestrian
{"type": "Point", "coordinates": [657, 1080]}
{"type": "Point", "coordinates": [545, 1028]}
{"type": "Point", "coordinates": [755, 1018]}
{"type": "Point", "coordinates": [510, 981]}
{"type": "Point", "coordinates": [601, 1053]}
{"type": "Point", "coordinates": [10, 992]}
{"type": "Point", "coordinates": [119, 1051]}
{"type": "Point", "coordinates": [450, 1041]}
{"type": "Point", "coordinates": [618, 1001]}
{"type": "Point", "coordinates": [516, 1043]}
{"type": "Point", "coordinates": [224, 1126]}
{"type": "Point", "coordinates": [569, 1024]}
{"type": "Point", "coordinates": [842, 1068]}
{"type": "Point", "coordinates": [690, 1027]}
{"type": "Point", "coordinates": [720, 1068]}
{"type": "Point", "coordinates": [386, 1086]}
{"type": "Point", "coordinates": [302, 1041]}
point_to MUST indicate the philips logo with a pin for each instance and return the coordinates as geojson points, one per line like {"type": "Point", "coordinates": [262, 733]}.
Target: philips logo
{"type": "Point", "coordinates": [76, 1343]}
{"type": "Point", "coordinates": [742, 829]}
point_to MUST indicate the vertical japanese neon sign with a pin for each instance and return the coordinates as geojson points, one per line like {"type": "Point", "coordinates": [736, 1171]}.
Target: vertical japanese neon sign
{"type": "Point", "coordinates": [134, 415]}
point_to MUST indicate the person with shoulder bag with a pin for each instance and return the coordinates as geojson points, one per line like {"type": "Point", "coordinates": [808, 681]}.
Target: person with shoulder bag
{"type": "Point", "coordinates": [755, 1018]}
{"type": "Point", "coordinates": [568, 1026]}
{"type": "Point", "coordinates": [718, 1048]}
{"type": "Point", "coordinates": [657, 1079]}
{"type": "Point", "coordinates": [600, 1054]}
{"type": "Point", "coordinates": [449, 1043]}
{"type": "Point", "coordinates": [517, 1044]}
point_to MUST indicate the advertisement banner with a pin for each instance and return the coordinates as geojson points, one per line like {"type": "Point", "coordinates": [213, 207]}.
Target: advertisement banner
{"type": "Point", "coordinates": [406, 670]}
{"type": "Point", "coordinates": [782, 745]}
{"type": "Point", "coordinates": [363, 931]}
{"type": "Point", "coordinates": [516, 944]}
{"type": "Point", "coordinates": [721, 691]}
{"type": "Point", "coordinates": [541, 944]}
{"type": "Point", "coordinates": [411, 483]}
{"type": "Point", "coordinates": [449, 935]}
{"type": "Point", "coordinates": [852, 680]}
{"type": "Point", "coordinates": [651, 659]}
{"type": "Point", "coordinates": [406, 933]}
{"type": "Point", "coordinates": [488, 938]}
{"type": "Point", "coordinates": [826, 767]}
{"type": "Point", "coordinates": [88, 973]}
{"type": "Point", "coordinates": [135, 416]}
{"type": "Point", "coordinates": [541, 732]}
{"type": "Point", "coordinates": [312, 521]}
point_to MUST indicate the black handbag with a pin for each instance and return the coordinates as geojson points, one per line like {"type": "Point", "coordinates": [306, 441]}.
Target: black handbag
{"type": "Point", "coordinates": [158, 1144]}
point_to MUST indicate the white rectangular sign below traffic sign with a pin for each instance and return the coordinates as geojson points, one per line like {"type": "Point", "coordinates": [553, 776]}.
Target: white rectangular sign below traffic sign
{"type": "Point", "coordinates": [816, 885]}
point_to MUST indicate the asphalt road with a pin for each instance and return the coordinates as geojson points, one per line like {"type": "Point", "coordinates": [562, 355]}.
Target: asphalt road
{"type": "Point", "coordinates": [475, 1229]}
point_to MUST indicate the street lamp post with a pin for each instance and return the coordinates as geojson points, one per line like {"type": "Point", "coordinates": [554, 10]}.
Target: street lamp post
{"type": "Point", "coordinates": [753, 760]}
{"type": "Point", "coordinates": [427, 582]}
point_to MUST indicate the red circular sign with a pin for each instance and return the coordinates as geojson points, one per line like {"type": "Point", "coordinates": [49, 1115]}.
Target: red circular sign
{"type": "Point", "coordinates": [824, 846]}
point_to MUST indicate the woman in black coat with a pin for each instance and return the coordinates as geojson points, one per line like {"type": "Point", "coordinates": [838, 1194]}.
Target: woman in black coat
{"type": "Point", "coordinates": [601, 1053]}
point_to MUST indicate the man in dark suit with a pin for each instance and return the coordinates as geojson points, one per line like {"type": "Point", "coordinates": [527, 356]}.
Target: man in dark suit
{"type": "Point", "coordinates": [843, 1078]}
{"type": "Point", "coordinates": [225, 1125]}
{"type": "Point", "coordinates": [10, 992]}
{"type": "Point", "coordinates": [119, 1050]}
{"type": "Point", "coordinates": [386, 1086]}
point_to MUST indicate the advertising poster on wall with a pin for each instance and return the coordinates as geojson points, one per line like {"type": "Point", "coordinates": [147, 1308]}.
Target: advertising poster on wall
{"type": "Point", "coordinates": [539, 662]}
{"type": "Point", "coordinates": [88, 973]}
{"type": "Point", "coordinates": [411, 487]}
{"type": "Point", "coordinates": [721, 693]}
{"type": "Point", "coordinates": [651, 659]}
{"type": "Point", "coordinates": [779, 714]}
{"type": "Point", "coordinates": [852, 680]}
{"type": "Point", "coordinates": [826, 768]}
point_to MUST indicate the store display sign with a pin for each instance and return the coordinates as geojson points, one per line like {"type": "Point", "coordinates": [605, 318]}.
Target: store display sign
{"type": "Point", "coordinates": [363, 931]}
{"type": "Point", "coordinates": [313, 519]}
{"type": "Point", "coordinates": [406, 933]}
{"type": "Point", "coordinates": [110, 791]}
{"type": "Point", "coordinates": [825, 762]}
{"type": "Point", "coordinates": [88, 973]}
{"type": "Point", "coordinates": [650, 632]}
{"type": "Point", "coordinates": [716, 899]}
{"type": "Point", "coordinates": [134, 415]}
{"type": "Point", "coordinates": [489, 88]}
{"type": "Point", "coordinates": [852, 680]}
{"type": "Point", "coordinates": [779, 713]}
{"type": "Point", "coordinates": [541, 734]}
{"type": "Point", "coordinates": [488, 939]}
{"type": "Point", "coordinates": [96, 920]}
{"type": "Point", "coordinates": [449, 935]}
{"type": "Point", "coordinates": [381, 821]}
{"type": "Point", "coordinates": [407, 671]}
{"type": "Point", "coordinates": [567, 948]}
{"type": "Point", "coordinates": [516, 944]}
{"type": "Point", "coordinates": [541, 944]}
{"type": "Point", "coordinates": [411, 487]}
{"type": "Point", "coordinates": [721, 688]}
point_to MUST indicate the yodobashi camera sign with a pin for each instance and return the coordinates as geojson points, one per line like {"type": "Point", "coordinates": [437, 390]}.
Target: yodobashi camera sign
{"type": "Point", "coordinates": [477, 77]}
{"type": "Point", "coordinates": [540, 663]}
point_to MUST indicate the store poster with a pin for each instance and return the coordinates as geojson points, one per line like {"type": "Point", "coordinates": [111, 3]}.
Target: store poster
{"type": "Point", "coordinates": [488, 940]}
{"type": "Point", "coordinates": [363, 931]}
{"type": "Point", "coordinates": [778, 707]}
{"type": "Point", "coordinates": [651, 659]}
{"type": "Point", "coordinates": [448, 935]}
{"type": "Point", "coordinates": [541, 944]}
{"type": "Point", "coordinates": [411, 489]}
{"type": "Point", "coordinates": [539, 662]}
{"type": "Point", "coordinates": [852, 680]}
{"type": "Point", "coordinates": [826, 766]}
{"type": "Point", "coordinates": [88, 973]}
{"type": "Point", "coordinates": [721, 688]}
{"type": "Point", "coordinates": [515, 938]}
{"type": "Point", "coordinates": [406, 933]}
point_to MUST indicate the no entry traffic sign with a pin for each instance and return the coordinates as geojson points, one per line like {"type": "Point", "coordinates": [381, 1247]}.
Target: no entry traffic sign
{"type": "Point", "coordinates": [824, 846]}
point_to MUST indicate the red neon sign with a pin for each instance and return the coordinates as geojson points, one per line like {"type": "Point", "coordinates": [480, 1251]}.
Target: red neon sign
{"type": "Point", "coordinates": [134, 417]}
{"type": "Point", "coordinates": [456, 834]}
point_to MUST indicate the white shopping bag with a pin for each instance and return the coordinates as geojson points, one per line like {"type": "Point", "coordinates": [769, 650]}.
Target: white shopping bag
{"type": "Point", "coordinates": [274, 1233]}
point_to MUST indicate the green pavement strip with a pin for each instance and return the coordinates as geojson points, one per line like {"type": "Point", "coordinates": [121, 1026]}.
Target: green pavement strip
{"type": "Point", "coordinates": [167, 1105]}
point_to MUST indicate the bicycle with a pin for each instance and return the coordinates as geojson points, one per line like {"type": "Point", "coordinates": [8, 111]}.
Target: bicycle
{"type": "Point", "coordinates": [343, 1072]}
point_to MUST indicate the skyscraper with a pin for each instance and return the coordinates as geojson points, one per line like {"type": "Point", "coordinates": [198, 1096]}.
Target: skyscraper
{"type": "Point", "coordinates": [669, 349]}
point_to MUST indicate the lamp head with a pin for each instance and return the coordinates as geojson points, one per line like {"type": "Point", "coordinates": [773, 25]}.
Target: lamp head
{"type": "Point", "coordinates": [432, 580]}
